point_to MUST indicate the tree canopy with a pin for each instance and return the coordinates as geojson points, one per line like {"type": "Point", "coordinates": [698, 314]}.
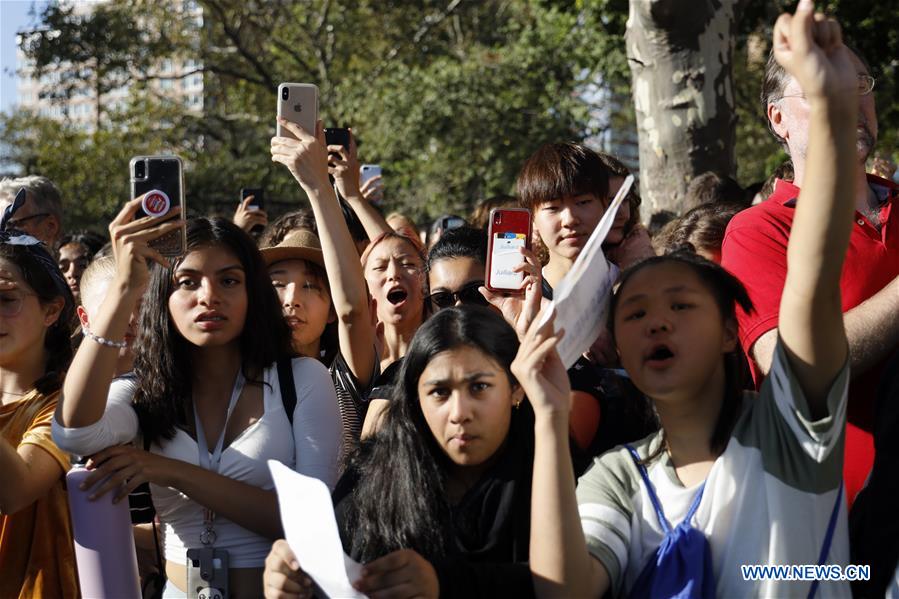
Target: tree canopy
{"type": "Point", "coordinates": [449, 96]}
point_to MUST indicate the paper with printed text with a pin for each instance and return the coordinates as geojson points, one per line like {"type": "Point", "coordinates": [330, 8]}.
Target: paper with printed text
{"type": "Point", "coordinates": [581, 300]}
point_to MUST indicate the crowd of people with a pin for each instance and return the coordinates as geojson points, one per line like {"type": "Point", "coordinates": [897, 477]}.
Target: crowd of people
{"type": "Point", "coordinates": [739, 407]}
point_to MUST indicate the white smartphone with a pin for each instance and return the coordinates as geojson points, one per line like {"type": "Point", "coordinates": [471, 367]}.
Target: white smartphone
{"type": "Point", "coordinates": [368, 171]}
{"type": "Point", "coordinates": [298, 103]}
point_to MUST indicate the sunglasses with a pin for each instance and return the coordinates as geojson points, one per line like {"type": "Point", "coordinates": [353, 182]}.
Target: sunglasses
{"type": "Point", "coordinates": [467, 295]}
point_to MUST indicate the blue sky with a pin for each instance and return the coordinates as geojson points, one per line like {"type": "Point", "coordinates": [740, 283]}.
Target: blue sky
{"type": "Point", "coordinates": [13, 17]}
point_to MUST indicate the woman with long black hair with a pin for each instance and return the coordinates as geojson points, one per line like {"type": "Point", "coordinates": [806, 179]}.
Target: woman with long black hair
{"type": "Point", "coordinates": [437, 503]}
{"type": "Point", "coordinates": [206, 399]}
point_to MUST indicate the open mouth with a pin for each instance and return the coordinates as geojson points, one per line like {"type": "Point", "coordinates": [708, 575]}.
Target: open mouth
{"type": "Point", "coordinates": [659, 355]}
{"type": "Point", "coordinates": [397, 295]}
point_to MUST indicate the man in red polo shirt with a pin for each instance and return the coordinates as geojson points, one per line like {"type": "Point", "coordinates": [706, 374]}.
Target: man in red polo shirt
{"type": "Point", "coordinates": [755, 251]}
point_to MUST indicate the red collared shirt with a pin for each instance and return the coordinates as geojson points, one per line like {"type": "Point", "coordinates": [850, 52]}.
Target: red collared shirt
{"type": "Point", "coordinates": [755, 251]}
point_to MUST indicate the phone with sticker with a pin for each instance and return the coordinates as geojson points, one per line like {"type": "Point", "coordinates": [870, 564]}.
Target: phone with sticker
{"type": "Point", "coordinates": [510, 230]}
{"type": "Point", "coordinates": [160, 180]}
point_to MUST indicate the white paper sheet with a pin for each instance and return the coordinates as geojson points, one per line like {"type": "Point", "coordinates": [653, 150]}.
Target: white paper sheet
{"type": "Point", "coordinates": [581, 300]}
{"type": "Point", "coordinates": [310, 527]}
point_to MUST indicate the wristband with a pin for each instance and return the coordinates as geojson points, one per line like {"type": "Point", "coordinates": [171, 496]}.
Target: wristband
{"type": "Point", "coordinates": [103, 340]}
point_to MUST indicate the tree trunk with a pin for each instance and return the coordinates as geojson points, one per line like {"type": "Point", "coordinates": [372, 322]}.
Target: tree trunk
{"type": "Point", "coordinates": [680, 54]}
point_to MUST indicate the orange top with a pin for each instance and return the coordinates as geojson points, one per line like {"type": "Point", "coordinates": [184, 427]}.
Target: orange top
{"type": "Point", "coordinates": [37, 556]}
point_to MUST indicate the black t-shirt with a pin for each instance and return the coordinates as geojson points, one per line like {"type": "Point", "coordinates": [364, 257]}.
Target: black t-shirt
{"type": "Point", "coordinates": [873, 525]}
{"type": "Point", "coordinates": [489, 531]}
{"type": "Point", "coordinates": [382, 388]}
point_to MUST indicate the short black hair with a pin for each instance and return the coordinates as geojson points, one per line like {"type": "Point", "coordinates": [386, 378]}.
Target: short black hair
{"type": "Point", "coordinates": [463, 242]}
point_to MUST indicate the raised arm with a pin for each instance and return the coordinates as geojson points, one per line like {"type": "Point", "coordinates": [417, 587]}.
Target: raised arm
{"type": "Point", "coordinates": [307, 159]}
{"type": "Point", "coordinates": [811, 328]}
{"type": "Point", "coordinates": [84, 393]}
{"type": "Point", "coordinates": [561, 566]}
{"type": "Point", "coordinates": [346, 177]}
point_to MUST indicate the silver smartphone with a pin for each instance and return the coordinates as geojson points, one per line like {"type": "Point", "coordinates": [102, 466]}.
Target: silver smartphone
{"type": "Point", "coordinates": [160, 180]}
{"type": "Point", "coordinates": [298, 103]}
{"type": "Point", "coordinates": [368, 171]}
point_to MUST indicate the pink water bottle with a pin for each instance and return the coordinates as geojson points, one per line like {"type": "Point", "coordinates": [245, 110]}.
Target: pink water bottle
{"type": "Point", "coordinates": [104, 542]}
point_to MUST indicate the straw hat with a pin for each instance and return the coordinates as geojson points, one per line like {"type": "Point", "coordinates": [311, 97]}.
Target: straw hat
{"type": "Point", "coordinates": [299, 244]}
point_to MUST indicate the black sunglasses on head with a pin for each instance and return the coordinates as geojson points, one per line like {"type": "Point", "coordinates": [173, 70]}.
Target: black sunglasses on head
{"type": "Point", "coordinates": [468, 295]}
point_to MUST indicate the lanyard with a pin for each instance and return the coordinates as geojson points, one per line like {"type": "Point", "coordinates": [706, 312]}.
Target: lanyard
{"type": "Point", "coordinates": [207, 537]}
{"type": "Point", "coordinates": [202, 446]}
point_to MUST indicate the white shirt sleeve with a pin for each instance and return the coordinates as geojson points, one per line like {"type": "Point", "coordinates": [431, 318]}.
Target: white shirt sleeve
{"type": "Point", "coordinates": [317, 431]}
{"type": "Point", "coordinates": [118, 424]}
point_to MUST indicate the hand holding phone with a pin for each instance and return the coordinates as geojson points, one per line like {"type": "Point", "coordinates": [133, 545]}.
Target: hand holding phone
{"type": "Point", "coordinates": [371, 183]}
{"type": "Point", "coordinates": [337, 136]}
{"type": "Point", "coordinates": [159, 181]}
{"type": "Point", "coordinates": [509, 231]}
{"type": "Point", "coordinates": [297, 103]}
{"type": "Point", "coordinates": [250, 215]}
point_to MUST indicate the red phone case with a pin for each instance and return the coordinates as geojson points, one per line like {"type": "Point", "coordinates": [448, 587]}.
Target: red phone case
{"type": "Point", "coordinates": [506, 220]}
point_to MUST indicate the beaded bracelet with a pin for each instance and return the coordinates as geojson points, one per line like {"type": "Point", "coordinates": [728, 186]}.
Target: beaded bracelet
{"type": "Point", "coordinates": [103, 340]}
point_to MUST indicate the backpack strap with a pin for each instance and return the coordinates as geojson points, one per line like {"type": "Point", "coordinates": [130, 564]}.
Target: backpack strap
{"type": "Point", "coordinates": [660, 513]}
{"type": "Point", "coordinates": [828, 538]}
{"type": "Point", "coordinates": [288, 387]}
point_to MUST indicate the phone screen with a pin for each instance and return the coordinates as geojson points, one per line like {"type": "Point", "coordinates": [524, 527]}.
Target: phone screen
{"type": "Point", "coordinates": [504, 256]}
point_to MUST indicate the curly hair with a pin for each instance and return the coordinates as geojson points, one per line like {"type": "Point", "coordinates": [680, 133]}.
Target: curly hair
{"type": "Point", "coordinates": [163, 357]}
{"type": "Point", "coordinates": [278, 229]}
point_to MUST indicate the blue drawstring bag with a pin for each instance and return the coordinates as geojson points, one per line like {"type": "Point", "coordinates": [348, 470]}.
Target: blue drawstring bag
{"type": "Point", "coordinates": [681, 567]}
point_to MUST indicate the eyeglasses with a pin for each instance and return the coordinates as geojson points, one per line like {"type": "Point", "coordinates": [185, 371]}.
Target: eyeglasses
{"type": "Point", "coordinates": [468, 295]}
{"type": "Point", "coordinates": [11, 302]}
{"type": "Point", "coordinates": [865, 87]}
{"type": "Point", "coordinates": [18, 222]}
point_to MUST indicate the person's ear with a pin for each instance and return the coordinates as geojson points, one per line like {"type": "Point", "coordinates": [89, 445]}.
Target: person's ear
{"type": "Point", "coordinates": [517, 395]}
{"type": "Point", "coordinates": [731, 338]}
{"type": "Point", "coordinates": [332, 314]}
{"type": "Point", "coordinates": [52, 228]}
{"type": "Point", "coordinates": [52, 310]}
{"type": "Point", "coordinates": [776, 119]}
{"type": "Point", "coordinates": [82, 316]}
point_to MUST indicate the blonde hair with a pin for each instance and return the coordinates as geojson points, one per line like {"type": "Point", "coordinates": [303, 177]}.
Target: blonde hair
{"type": "Point", "coordinates": [95, 282]}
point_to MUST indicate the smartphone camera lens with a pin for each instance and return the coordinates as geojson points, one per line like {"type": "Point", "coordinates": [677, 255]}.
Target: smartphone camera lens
{"type": "Point", "coordinates": [285, 93]}
{"type": "Point", "coordinates": [497, 219]}
{"type": "Point", "coordinates": [140, 170]}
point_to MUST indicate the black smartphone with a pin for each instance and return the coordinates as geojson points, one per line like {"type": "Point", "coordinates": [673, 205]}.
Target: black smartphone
{"type": "Point", "coordinates": [160, 180]}
{"type": "Point", "coordinates": [337, 136]}
{"type": "Point", "coordinates": [258, 194]}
